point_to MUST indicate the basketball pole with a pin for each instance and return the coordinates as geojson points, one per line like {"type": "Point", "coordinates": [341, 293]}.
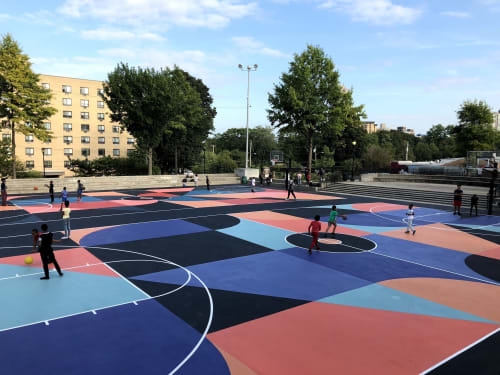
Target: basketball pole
{"type": "Point", "coordinates": [249, 69]}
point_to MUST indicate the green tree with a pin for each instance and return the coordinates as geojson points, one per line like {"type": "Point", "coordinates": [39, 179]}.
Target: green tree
{"type": "Point", "coordinates": [142, 101]}
{"type": "Point", "coordinates": [23, 101]}
{"type": "Point", "coordinates": [377, 158]}
{"type": "Point", "coordinates": [327, 159]}
{"type": "Point", "coordinates": [423, 151]}
{"type": "Point", "coordinates": [475, 131]}
{"type": "Point", "coordinates": [310, 100]}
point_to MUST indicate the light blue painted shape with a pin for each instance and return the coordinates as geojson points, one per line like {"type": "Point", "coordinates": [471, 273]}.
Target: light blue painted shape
{"type": "Point", "coordinates": [379, 297]}
{"type": "Point", "coordinates": [260, 234]}
{"type": "Point", "coordinates": [339, 207]}
{"type": "Point", "coordinates": [46, 201]}
{"type": "Point", "coordinates": [489, 228]}
{"type": "Point", "coordinates": [28, 299]}
{"type": "Point", "coordinates": [184, 198]}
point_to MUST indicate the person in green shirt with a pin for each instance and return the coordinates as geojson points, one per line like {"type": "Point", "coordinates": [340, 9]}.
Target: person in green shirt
{"type": "Point", "coordinates": [332, 220]}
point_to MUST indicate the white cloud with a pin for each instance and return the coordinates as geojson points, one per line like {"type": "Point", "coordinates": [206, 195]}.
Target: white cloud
{"type": "Point", "coordinates": [117, 34]}
{"type": "Point", "coordinates": [161, 13]}
{"type": "Point", "coordinates": [456, 14]}
{"type": "Point", "coordinates": [378, 12]}
{"type": "Point", "coordinates": [251, 45]}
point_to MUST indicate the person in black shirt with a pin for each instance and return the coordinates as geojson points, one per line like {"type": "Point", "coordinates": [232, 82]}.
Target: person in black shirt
{"type": "Point", "coordinates": [4, 192]}
{"type": "Point", "coordinates": [473, 203]}
{"type": "Point", "coordinates": [47, 252]}
{"type": "Point", "coordinates": [208, 183]}
{"type": "Point", "coordinates": [51, 191]}
{"type": "Point", "coordinates": [457, 200]}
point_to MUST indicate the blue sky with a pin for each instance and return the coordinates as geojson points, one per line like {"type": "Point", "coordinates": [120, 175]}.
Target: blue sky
{"type": "Point", "coordinates": [410, 63]}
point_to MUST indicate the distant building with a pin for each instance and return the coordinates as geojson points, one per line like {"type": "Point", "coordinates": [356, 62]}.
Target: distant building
{"type": "Point", "coordinates": [496, 120]}
{"type": "Point", "coordinates": [404, 129]}
{"type": "Point", "coordinates": [370, 126]}
{"type": "Point", "coordinates": [383, 126]}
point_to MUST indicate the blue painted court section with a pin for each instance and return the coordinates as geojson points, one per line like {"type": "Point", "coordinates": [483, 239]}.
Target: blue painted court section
{"type": "Point", "coordinates": [433, 256]}
{"type": "Point", "coordinates": [272, 273]}
{"type": "Point", "coordinates": [371, 267]}
{"type": "Point", "coordinates": [424, 216]}
{"type": "Point", "coordinates": [25, 219]}
{"type": "Point", "coordinates": [27, 300]}
{"type": "Point", "coordinates": [153, 340]}
{"type": "Point", "coordinates": [260, 234]}
{"type": "Point", "coordinates": [490, 228]}
{"type": "Point", "coordinates": [46, 201]}
{"type": "Point", "coordinates": [382, 298]}
{"type": "Point", "coordinates": [141, 231]}
{"type": "Point", "coordinates": [184, 198]}
{"type": "Point", "coordinates": [369, 228]}
{"type": "Point", "coordinates": [369, 220]}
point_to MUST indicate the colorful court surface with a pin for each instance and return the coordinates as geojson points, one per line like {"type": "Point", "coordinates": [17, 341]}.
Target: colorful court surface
{"type": "Point", "coordinates": [190, 281]}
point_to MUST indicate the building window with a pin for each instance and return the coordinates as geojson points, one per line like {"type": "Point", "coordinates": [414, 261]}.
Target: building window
{"type": "Point", "coordinates": [116, 152]}
{"type": "Point", "coordinates": [130, 141]}
{"type": "Point", "coordinates": [47, 163]}
{"type": "Point", "coordinates": [28, 138]}
{"type": "Point", "coordinates": [100, 116]}
{"type": "Point", "coordinates": [100, 128]}
{"type": "Point", "coordinates": [84, 90]}
{"type": "Point", "coordinates": [67, 114]}
{"type": "Point", "coordinates": [101, 140]}
{"type": "Point", "coordinates": [6, 137]}
{"type": "Point", "coordinates": [30, 151]}
{"type": "Point", "coordinates": [66, 89]}
{"type": "Point", "coordinates": [46, 86]}
{"type": "Point", "coordinates": [67, 101]}
{"type": "Point", "coordinates": [28, 124]}
{"type": "Point", "coordinates": [47, 125]}
{"type": "Point", "coordinates": [84, 115]}
{"type": "Point", "coordinates": [100, 104]}
{"type": "Point", "coordinates": [47, 151]}
{"type": "Point", "coordinates": [101, 152]}
{"type": "Point", "coordinates": [85, 139]}
{"type": "Point", "coordinates": [85, 128]}
{"type": "Point", "coordinates": [48, 140]}
{"type": "Point", "coordinates": [30, 164]}
{"type": "Point", "coordinates": [68, 151]}
{"type": "Point", "coordinates": [129, 151]}
{"type": "Point", "coordinates": [67, 163]}
{"type": "Point", "coordinates": [100, 92]}
{"type": "Point", "coordinates": [68, 139]}
{"type": "Point", "coordinates": [85, 151]}
{"type": "Point", "coordinates": [116, 129]}
{"type": "Point", "coordinates": [68, 127]}
{"type": "Point", "coordinates": [116, 140]}
{"type": "Point", "coordinates": [84, 103]}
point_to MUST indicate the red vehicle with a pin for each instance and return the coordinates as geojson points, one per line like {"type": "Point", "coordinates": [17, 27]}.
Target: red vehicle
{"type": "Point", "coordinates": [398, 165]}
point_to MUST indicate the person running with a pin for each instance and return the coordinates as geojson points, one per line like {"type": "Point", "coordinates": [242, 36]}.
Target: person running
{"type": "Point", "coordinates": [47, 252]}
{"type": "Point", "coordinates": [208, 183]}
{"type": "Point", "coordinates": [66, 220]}
{"type": "Point", "coordinates": [457, 200]}
{"type": "Point", "coordinates": [332, 220]}
{"type": "Point", "coordinates": [410, 215]}
{"type": "Point", "coordinates": [195, 179]}
{"type": "Point", "coordinates": [253, 184]}
{"type": "Point", "coordinates": [313, 230]}
{"type": "Point", "coordinates": [79, 191]}
{"type": "Point", "coordinates": [64, 197]}
{"type": "Point", "coordinates": [473, 203]}
{"type": "Point", "coordinates": [51, 191]}
{"type": "Point", "coordinates": [3, 188]}
{"type": "Point", "coordinates": [290, 189]}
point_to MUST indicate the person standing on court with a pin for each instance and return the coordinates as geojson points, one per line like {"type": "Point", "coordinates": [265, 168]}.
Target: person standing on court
{"type": "Point", "coordinates": [473, 203]}
{"type": "Point", "coordinates": [195, 179]}
{"type": "Point", "coordinates": [253, 184]}
{"type": "Point", "coordinates": [79, 191]}
{"type": "Point", "coordinates": [47, 252]}
{"type": "Point", "coordinates": [457, 200]}
{"type": "Point", "coordinates": [208, 183]}
{"type": "Point", "coordinates": [290, 189]}
{"type": "Point", "coordinates": [51, 191]}
{"type": "Point", "coordinates": [66, 221]}
{"type": "Point", "coordinates": [4, 192]}
{"type": "Point", "coordinates": [64, 196]}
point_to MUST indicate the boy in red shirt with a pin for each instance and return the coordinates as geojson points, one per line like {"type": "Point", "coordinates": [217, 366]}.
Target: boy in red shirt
{"type": "Point", "coordinates": [314, 229]}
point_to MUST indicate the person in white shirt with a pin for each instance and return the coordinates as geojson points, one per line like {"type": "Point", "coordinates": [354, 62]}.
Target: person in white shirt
{"type": "Point", "coordinates": [195, 180]}
{"type": "Point", "coordinates": [253, 184]}
{"type": "Point", "coordinates": [410, 215]}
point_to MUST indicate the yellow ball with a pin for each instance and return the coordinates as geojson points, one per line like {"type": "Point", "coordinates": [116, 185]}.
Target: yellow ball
{"type": "Point", "coordinates": [28, 260]}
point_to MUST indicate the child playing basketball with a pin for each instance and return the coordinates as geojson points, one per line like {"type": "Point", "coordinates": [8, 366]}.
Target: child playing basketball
{"type": "Point", "coordinates": [64, 197]}
{"type": "Point", "coordinates": [332, 220]}
{"type": "Point", "coordinates": [47, 252]}
{"type": "Point", "coordinates": [313, 230]}
{"type": "Point", "coordinates": [410, 214]}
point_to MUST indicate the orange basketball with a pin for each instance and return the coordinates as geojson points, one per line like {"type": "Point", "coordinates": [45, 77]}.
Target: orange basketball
{"type": "Point", "coordinates": [35, 188]}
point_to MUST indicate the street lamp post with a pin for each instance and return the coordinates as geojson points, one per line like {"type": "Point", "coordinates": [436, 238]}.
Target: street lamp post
{"type": "Point", "coordinates": [248, 69]}
{"type": "Point", "coordinates": [43, 161]}
{"type": "Point", "coordinates": [204, 160]}
{"type": "Point", "coordinates": [352, 163]}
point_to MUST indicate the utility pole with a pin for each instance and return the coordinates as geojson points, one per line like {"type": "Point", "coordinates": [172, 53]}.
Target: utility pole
{"type": "Point", "coordinates": [248, 69]}
{"type": "Point", "coordinates": [250, 153]}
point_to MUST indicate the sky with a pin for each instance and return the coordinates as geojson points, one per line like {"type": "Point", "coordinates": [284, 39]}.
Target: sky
{"type": "Point", "coordinates": [409, 62]}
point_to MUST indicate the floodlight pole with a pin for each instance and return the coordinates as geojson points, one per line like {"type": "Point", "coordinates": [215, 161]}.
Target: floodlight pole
{"type": "Point", "coordinates": [248, 69]}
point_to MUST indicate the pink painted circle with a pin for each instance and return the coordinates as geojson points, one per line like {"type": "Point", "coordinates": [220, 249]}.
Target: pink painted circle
{"type": "Point", "coordinates": [330, 241]}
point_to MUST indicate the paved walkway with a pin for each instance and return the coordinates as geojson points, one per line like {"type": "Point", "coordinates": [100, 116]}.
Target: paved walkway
{"type": "Point", "coordinates": [445, 188]}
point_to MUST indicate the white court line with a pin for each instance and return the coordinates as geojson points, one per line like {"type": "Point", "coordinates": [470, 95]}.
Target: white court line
{"type": "Point", "coordinates": [459, 352]}
{"type": "Point", "coordinates": [335, 252]}
{"type": "Point", "coordinates": [162, 260]}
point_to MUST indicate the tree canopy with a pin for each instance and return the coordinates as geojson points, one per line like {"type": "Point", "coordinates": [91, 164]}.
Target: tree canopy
{"type": "Point", "coordinates": [23, 101]}
{"type": "Point", "coordinates": [310, 99]}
